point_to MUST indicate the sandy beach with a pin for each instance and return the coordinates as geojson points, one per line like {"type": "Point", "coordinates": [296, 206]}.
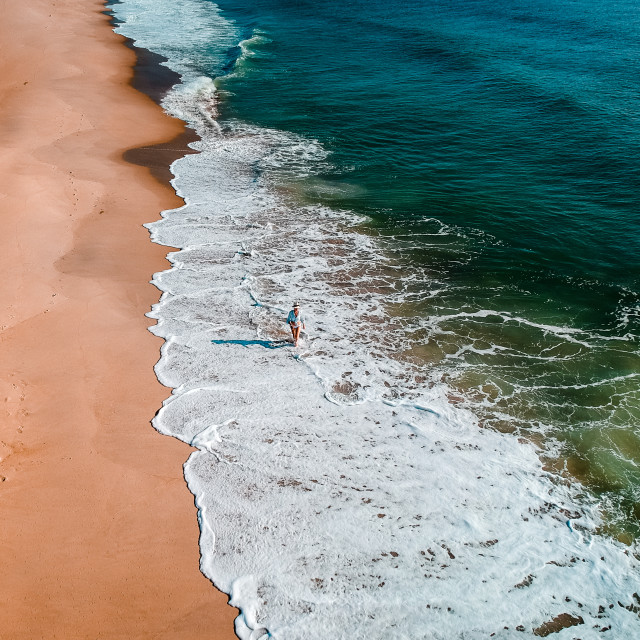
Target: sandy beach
{"type": "Point", "coordinates": [99, 535]}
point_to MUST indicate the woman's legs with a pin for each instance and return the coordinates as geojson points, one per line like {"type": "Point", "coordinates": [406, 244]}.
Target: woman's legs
{"type": "Point", "coordinates": [296, 333]}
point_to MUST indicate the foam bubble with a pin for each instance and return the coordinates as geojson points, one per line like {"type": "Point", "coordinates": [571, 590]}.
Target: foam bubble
{"type": "Point", "coordinates": [163, 27]}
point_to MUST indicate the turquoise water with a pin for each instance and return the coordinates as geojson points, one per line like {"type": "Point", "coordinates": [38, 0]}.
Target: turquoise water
{"type": "Point", "coordinates": [495, 148]}
{"type": "Point", "coordinates": [516, 119]}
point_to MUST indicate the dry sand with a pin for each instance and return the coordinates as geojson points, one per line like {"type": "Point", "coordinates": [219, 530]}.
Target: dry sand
{"type": "Point", "coordinates": [99, 532]}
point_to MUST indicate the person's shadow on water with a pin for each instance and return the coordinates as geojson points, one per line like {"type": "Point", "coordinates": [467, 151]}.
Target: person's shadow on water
{"type": "Point", "coordinates": [267, 344]}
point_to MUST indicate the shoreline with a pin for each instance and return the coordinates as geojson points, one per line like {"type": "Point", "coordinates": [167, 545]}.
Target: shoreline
{"type": "Point", "coordinates": [100, 531]}
{"type": "Point", "coordinates": [340, 468]}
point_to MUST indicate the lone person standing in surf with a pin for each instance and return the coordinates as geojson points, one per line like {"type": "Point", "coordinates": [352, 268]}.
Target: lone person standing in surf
{"type": "Point", "coordinates": [296, 322]}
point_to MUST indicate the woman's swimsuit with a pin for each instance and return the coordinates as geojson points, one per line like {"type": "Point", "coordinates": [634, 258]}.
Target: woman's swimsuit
{"type": "Point", "coordinates": [297, 320]}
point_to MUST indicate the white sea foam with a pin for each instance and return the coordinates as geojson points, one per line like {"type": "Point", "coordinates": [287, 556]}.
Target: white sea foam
{"type": "Point", "coordinates": [158, 26]}
{"type": "Point", "coordinates": [337, 496]}
{"type": "Point", "coordinates": [250, 48]}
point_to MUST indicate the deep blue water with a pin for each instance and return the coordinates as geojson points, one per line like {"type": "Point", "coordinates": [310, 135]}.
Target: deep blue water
{"type": "Point", "coordinates": [519, 119]}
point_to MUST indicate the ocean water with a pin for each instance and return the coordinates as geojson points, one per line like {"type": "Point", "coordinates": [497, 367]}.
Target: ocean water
{"type": "Point", "coordinates": [451, 191]}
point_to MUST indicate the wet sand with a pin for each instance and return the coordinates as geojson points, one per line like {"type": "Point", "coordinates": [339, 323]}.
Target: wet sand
{"type": "Point", "coordinates": [99, 535]}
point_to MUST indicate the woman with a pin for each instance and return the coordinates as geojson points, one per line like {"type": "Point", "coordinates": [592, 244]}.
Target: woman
{"type": "Point", "coordinates": [296, 322]}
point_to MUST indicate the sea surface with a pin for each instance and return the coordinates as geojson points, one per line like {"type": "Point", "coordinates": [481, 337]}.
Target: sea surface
{"type": "Point", "coordinates": [451, 189]}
